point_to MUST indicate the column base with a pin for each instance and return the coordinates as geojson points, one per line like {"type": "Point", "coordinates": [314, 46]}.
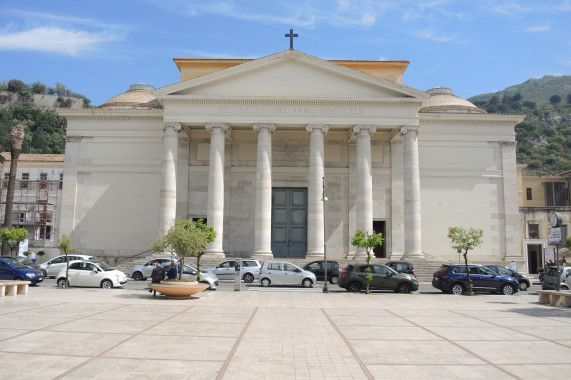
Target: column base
{"type": "Point", "coordinates": [214, 254]}
{"type": "Point", "coordinates": [395, 256]}
{"type": "Point", "coordinates": [414, 254]}
{"type": "Point", "coordinates": [263, 255]}
{"type": "Point", "coordinates": [350, 255]}
{"type": "Point", "coordinates": [315, 255]}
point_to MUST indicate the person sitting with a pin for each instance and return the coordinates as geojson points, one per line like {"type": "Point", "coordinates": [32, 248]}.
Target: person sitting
{"type": "Point", "coordinates": [157, 275]}
{"type": "Point", "coordinates": [172, 273]}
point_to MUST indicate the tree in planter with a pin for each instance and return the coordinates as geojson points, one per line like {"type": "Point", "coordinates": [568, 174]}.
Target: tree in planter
{"type": "Point", "coordinates": [13, 238]}
{"type": "Point", "coordinates": [41, 253]}
{"type": "Point", "coordinates": [465, 240]}
{"type": "Point", "coordinates": [368, 241]}
{"type": "Point", "coordinates": [185, 238]}
{"type": "Point", "coordinates": [65, 247]}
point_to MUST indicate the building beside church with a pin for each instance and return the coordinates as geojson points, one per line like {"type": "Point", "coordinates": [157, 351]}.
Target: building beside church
{"type": "Point", "coordinates": [255, 146]}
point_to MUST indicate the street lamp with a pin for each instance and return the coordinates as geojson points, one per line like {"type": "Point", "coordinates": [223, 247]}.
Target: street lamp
{"type": "Point", "coordinates": [323, 199]}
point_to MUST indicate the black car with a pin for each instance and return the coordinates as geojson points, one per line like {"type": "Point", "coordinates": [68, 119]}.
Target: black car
{"type": "Point", "coordinates": [317, 268]}
{"type": "Point", "coordinates": [401, 267]}
{"type": "Point", "coordinates": [452, 278]}
{"type": "Point", "coordinates": [524, 282]}
{"type": "Point", "coordinates": [384, 278]}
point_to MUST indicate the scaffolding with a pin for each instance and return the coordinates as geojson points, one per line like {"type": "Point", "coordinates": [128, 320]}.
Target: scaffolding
{"type": "Point", "coordinates": [36, 206]}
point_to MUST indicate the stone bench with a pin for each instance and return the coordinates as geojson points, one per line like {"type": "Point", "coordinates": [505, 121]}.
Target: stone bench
{"type": "Point", "coordinates": [555, 298]}
{"type": "Point", "coordinates": [12, 288]}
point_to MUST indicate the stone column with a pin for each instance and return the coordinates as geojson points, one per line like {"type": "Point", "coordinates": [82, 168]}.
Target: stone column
{"type": "Point", "coordinates": [364, 182]}
{"type": "Point", "coordinates": [263, 200]}
{"type": "Point", "coordinates": [167, 210]}
{"type": "Point", "coordinates": [215, 210]}
{"type": "Point", "coordinates": [411, 179]}
{"type": "Point", "coordinates": [397, 198]}
{"type": "Point", "coordinates": [69, 187]}
{"type": "Point", "coordinates": [315, 220]}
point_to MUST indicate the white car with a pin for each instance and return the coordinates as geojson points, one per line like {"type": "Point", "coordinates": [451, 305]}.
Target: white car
{"type": "Point", "coordinates": [143, 271]}
{"type": "Point", "coordinates": [249, 269]}
{"type": "Point", "coordinates": [91, 273]}
{"type": "Point", "coordinates": [285, 273]}
{"type": "Point", "coordinates": [51, 268]}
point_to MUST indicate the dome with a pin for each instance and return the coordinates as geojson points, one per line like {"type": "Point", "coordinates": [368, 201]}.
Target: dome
{"type": "Point", "coordinates": [443, 100]}
{"type": "Point", "coordinates": [139, 95]}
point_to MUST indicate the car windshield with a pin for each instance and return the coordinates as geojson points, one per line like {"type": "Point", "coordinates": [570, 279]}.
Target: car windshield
{"type": "Point", "coordinates": [551, 271]}
{"type": "Point", "coordinates": [103, 266]}
{"type": "Point", "coordinates": [24, 260]}
{"type": "Point", "coordinates": [15, 263]}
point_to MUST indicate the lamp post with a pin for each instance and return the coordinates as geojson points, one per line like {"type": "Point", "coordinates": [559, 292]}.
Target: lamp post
{"type": "Point", "coordinates": [323, 199]}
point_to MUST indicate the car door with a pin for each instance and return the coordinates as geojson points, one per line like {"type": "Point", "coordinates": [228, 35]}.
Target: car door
{"type": "Point", "coordinates": [225, 270]}
{"type": "Point", "coordinates": [382, 277]}
{"type": "Point", "coordinates": [55, 265]}
{"type": "Point", "coordinates": [292, 274]}
{"type": "Point", "coordinates": [484, 279]}
{"type": "Point", "coordinates": [317, 268]}
{"type": "Point", "coordinates": [91, 274]}
{"type": "Point", "coordinates": [6, 272]}
{"type": "Point", "coordinates": [76, 277]}
{"type": "Point", "coordinates": [276, 273]}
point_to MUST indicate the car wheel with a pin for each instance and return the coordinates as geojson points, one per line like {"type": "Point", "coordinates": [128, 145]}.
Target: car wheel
{"type": "Point", "coordinates": [334, 279]}
{"type": "Point", "coordinates": [138, 276]}
{"type": "Point", "coordinates": [45, 273]}
{"type": "Point", "coordinates": [307, 283]}
{"type": "Point", "coordinates": [508, 289]}
{"type": "Point", "coordinates": [248, 278]}
{"type": "Point", "coordinates": [523, 286]}
{"type": "Point", "coordinates": [106, 284]}
{"type": "Point", "coordinates": [265, 282]}
{"type": "Point", "coordinates": [457, 289]}
{"type": "Point", "coordinates": [403, 288]}
{"type": "Point", "coordinates": [62, 283]}
{"type": "Point", "coordinates": [354, 287]}
{"type": "Point", "coordinates": [564, 287]}
{"type": "Point", "coordinates": [209, 287]}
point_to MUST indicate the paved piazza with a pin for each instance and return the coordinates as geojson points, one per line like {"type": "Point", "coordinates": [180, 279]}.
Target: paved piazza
{"type": "Point", "coordinates": [280, 334]}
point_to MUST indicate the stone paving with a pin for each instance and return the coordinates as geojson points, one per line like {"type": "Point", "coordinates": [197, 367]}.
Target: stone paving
{"type": "Point", "coordinates": [280, 334]}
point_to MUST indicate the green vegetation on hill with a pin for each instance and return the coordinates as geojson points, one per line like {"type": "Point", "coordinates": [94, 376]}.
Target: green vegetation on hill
{"type": "Point", "coordinates": [544, 137]}
{"type": "Point", "coordinates": [44, 129]}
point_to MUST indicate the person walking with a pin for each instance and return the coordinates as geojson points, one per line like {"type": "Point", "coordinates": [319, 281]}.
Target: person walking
{"type": "Point", "coordinates": [157, 275]}
{"type": "Point", "coordinates": [33, 256]}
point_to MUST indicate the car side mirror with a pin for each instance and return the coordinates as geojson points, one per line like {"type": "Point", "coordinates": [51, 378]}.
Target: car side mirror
{"type": "Point", "coordinates": [298, 271]}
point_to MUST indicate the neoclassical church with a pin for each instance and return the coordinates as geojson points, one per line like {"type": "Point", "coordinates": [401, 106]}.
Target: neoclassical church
{"type": "Point", "coordinates": [287, 156]}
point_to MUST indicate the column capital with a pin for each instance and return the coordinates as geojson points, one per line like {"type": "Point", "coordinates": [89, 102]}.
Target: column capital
{"type": "Point", "coordinates": [410, 128]}
{"type": "Point", "coordinates": [310, 127]}
{"type": "Point", "coordinates": [73, 138]}
{"type": "Point", "coordinates": [222, 126]}
{"type": "Point", "coordinates": [270, 127]}
{"type": "Point", "coordinates": [357, 129]}
{"type": "Point", "coordinates": [508, 143]}
{"type": "Point", "coordinates": [177, 126]}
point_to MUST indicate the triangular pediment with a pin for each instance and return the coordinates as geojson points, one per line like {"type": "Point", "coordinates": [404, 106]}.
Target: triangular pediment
{"type": "Point", "coordinates": [289, 74]}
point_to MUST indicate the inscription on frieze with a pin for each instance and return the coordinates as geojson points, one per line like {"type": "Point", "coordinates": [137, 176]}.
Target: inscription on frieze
{"type": "Point", "coordinates": [288, 111]}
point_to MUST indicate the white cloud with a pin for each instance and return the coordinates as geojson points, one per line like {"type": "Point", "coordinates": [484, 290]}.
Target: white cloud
{"type": "Point", "coordinates": [52, 39]}
{"type": "Point", "coordinates": [538, 28]}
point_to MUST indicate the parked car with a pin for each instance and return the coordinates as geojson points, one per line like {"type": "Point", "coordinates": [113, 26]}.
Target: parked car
{"type": "Point", "coordinates": [52, 267]}
{"type": "Point", "coordinates": [452, 278]}
{"type": "Point", "coordinates": [285, 273]}
{"type": "Point", "coordinates": [353, 279]}
{"type": "Point", "coordinates": [24, 260]}
{"type": "Point", "coordinates": [249, 270]}
{"type": "Point", "coordinates": [143, 271]}
{"type": "Point", "coordinates": [524, 282]}
{"type": "Point", "coordinates": [12, 269]}
{"type": "Point", "coordinates": [551, 277]}
{"type": "Point", "coordinates": [401, 267]}
{"type": "Point", "coordinates": [318, 269]}
{"type": "Point", "coordinates": [190, 272]}
{"type": "Point", "coordinates": [91, 274]}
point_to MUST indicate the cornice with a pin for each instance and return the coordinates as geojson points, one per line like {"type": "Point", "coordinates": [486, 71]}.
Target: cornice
{"type": "Point", "coordinates": [294, 101]}
{"type": "Point", "coordinates": [470, 119]}
{"type": "Point", "coordinates": [100, 114]}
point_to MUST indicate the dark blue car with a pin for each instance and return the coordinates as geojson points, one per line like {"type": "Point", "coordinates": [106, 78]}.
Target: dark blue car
{"type": "Point", "coordinates": [12, 269]}
{"type": "Point", "coordinates": [452, 278]}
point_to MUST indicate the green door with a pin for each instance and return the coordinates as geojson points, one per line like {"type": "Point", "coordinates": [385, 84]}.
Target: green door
{"type": "Point", "coordinates": [289, 221]}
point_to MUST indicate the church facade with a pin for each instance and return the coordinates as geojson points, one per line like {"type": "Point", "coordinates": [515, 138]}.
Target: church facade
{"type": "Point", "coordinates": [287, 156]}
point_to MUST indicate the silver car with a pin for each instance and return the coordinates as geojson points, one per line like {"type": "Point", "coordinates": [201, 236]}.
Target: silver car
{"type": "Point", "coordinates": [285, 273]}
{"type": "Point", "coordinates": [143, 271]}
{"type": "Point", "coordinates": [249, 270]}
{"type": "Point", "coordinates": [190, 271]}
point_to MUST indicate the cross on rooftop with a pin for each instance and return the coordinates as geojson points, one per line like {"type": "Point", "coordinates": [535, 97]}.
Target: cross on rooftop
{"type": "Point", "coordinates": [291, 36]}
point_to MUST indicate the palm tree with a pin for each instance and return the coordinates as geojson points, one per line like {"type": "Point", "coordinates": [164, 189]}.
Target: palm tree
{"type": "Point", "coordinates": [16, 138]}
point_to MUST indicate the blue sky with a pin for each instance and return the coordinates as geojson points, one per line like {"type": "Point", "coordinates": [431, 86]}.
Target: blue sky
{"type": "Point", "coordinates": [99, 48]}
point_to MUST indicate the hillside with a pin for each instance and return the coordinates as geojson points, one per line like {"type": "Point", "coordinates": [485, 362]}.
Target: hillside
{"type": "Point", "coordinates": [544, 137]}
{"type": "Point", "coordinates": [33, 105]}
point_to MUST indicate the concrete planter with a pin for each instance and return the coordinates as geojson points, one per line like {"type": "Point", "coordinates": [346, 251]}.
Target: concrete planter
{"type": "Point", "coordinates": [178, 290]}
